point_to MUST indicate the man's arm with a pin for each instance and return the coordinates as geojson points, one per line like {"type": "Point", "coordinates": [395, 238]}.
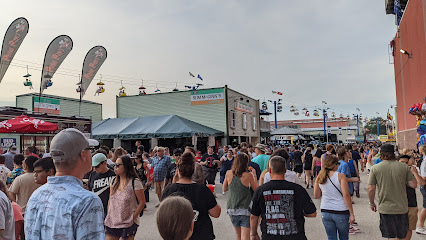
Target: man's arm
{"type": "Point", "coordinates": [420, 180]}
{"type": "Point", "coordinates": [371, 196]}
{"type": "Point", "coordinates": [312, 215]}
{"type": "Point", "coordinates": [254, 222]}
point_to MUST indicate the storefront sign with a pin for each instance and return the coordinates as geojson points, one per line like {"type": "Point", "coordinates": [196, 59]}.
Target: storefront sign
{"type": "Point", "coordinates": [243, 107]}
{"type": "Point", "coordinates": [209, 96]}
{"type": "Point", "coordinates": [47, 105]}
{"type": "Point", "coordinates": [7, 142]}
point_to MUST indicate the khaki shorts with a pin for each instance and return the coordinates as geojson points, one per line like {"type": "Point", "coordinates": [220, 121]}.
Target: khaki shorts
{"type": "Point", "coordinates": [159, 187]}
{"type": "Point", "coordinates": [412, 217]}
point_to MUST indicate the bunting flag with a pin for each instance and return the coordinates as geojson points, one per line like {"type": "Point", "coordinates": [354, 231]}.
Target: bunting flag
{"type": "Point", "coordinates": [56, 53]}
{"type": "Point", "coordinates": [191, 75]}
{"type": "Point", "coordinates": [324, 102]}
{"type": "Point", "coordinates": [358, 109]}
{"type": "Point", "coordinates": [92, 63]}
{"type": "Point", "coordinates": [279, 93]}
{"type": "Point", "coordinates": [199, 77]}
{"type": "Point", "coordinates": [377, 113]}
{"type": "Point", "coordinates": [13, 38]}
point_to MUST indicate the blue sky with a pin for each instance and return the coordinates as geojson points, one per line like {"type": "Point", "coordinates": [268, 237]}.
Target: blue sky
{"type": "Point", "coordinates": [310, 50]}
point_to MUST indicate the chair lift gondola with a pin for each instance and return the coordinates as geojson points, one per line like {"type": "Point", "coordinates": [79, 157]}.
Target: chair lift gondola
{"type": "Point", "coordinates": [307, 113]}
{"type": "Point", "coordinates": [49, 82]}
{"type": "Point", "coordinates": [28, 82]}
{"type": "Point", "coordinates": [101, 88]}
{"type": "Point", "coordinates": [142, 89]}
{"type": "Point", "coordinates": [122, 93]}
{"type": "Point", "coordinates": [176, 89]}
{"type": "Point", "coordinates": [316, 113]}
{"type": "Point", "coordinates": [264, 105]}
{"type": "Point", "coordinates": [157, 90]}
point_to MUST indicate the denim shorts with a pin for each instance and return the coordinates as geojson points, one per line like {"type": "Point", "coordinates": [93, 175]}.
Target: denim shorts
{"type": "Point", "coordinates": [240, 221]}
{"type": "Point", "coordinates": [423, 191]}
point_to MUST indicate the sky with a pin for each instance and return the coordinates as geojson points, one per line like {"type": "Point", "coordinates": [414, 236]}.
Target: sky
{"type": "Point", "coordinates": [311, 51]}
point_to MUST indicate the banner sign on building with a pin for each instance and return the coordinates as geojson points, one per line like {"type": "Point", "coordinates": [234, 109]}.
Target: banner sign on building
{"type": "Point", "coordinates": [47, 105]}
{"type": "Point", "coordinates": [13, 38]}
{"type": "Point", "coordinates": [209, 96]}
{"type": "Point", "coordinates": [8, 142]}
{"type": "Point", "coordinates": [340, 131]}
{"type": "Point", "coordinates": [243, 107]}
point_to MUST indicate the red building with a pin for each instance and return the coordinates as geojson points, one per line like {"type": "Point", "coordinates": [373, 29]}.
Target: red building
{"type": "Point", "coordinates": [409, 68]}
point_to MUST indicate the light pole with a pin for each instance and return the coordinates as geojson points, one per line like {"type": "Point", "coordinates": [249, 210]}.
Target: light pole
{"type": "Point", "coordinates": [378, 129]}
{"type": "Point", "coordinates": [275, 102]}
{"type": "Point", "coordinates": [357, 121]}
{"type": "Point", "coordinates": [324, 114]}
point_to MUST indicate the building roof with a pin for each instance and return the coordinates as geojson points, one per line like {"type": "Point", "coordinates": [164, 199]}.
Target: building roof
{"type": "Point", "coordinates": [57, 97]}
{"type": "Point", "coordinates": [166, 126]}
{"type": "Point", "coordinates": [287, 131]}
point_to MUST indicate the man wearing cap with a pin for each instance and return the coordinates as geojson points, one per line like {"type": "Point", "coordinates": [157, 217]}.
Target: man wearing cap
{"type": "Point", "coordinates": [261, 159]}
{"type": "Point", "coordinates": [9, 157]}
{"type": "Point", "coordinates": [62, 208]}
{"type": "Point", "coordinates": [100, 179]}
{"type": "Point", "coordinates": [391, 178]}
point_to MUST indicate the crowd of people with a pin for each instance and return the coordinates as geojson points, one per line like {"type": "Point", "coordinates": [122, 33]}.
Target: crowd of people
{"type": "Point", "coordinates": [80, 190]}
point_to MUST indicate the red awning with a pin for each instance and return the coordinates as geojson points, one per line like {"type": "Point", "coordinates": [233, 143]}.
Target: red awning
{"type": "Point", "coordinates": [25, 124]}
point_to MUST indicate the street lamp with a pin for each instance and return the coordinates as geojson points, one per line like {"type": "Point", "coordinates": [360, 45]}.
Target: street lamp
{"type": "Point", "coordinates": [406, 53]}
{"type": "Point", "coordinates": [324, 115]}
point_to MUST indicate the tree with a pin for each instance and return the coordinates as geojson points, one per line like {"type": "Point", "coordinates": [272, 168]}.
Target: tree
{"type": "Point", "coordinates": [371, 125]}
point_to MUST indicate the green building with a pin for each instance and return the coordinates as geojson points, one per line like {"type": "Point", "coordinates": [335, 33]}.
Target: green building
{"type": "Point", "coordinates": [223, 109]}
{"type": "Point", "coordinates": [60, 106]}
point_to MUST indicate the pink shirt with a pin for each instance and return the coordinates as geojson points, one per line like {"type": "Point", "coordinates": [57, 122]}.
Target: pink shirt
{"type": "Point", "coordinates": [122, 205]}
{"type": "Point", "coordinates": [17, 212]}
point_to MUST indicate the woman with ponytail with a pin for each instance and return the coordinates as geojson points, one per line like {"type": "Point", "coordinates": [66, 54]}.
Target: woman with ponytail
{"type": "Point", "coordinates": [336, 204]}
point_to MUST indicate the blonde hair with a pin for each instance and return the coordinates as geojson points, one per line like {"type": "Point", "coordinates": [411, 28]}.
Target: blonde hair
{"type": "Point", "coordinates": [329, 163]}
{"type": "Point", "coordinates": [174, 218]}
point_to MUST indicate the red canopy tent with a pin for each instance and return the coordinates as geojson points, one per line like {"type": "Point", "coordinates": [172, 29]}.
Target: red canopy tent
{"type": "Point", "coordinates": [25, 124]}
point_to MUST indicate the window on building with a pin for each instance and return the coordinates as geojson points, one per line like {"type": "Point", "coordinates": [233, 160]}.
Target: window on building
{"type": "Point", "coordinates": [244, 121]}
{"type": "Point", "coordinates": [254, 124]}
{"type": "Point", "coordinates": [233, 116]}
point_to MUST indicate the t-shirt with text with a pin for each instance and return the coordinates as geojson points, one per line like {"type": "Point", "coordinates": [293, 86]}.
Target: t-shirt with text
{"type": "Point", "coordinates": [99, 183]}
{"type": "Point", "coordinates": [282, 206]}
{"type": "Point", "coordinates": [209, 159]}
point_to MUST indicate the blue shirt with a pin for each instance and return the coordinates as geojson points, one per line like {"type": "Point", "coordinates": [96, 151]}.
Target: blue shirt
{"type": "Point", "coordinates": [378, 160]}
{"type": "Point", "coordinates": [63, 209]}
{"type": "Point", "coordinates": [161, 167]}
{"type": "Point", "coordinates": [344, 168]}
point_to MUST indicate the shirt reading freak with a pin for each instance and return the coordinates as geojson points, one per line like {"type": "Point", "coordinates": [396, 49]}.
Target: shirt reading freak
{"type": "Point", "coordinates": [282, 206]}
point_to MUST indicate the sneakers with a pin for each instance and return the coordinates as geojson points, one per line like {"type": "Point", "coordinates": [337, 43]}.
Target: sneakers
{"type": "Point", "coordinates": [223, 193]}
{"type": "Point", "coordinates": [421, 230]}
{"type": "Point", "coordinates": [353, 230]}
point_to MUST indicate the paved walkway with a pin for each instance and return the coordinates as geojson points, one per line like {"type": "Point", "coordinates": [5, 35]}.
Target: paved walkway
{"type": "Point", "coordinates": [368, 221]}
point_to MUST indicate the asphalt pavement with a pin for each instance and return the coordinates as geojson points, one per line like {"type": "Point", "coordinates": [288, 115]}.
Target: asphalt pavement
{"type": "Point", "coordinates": [367, 220]}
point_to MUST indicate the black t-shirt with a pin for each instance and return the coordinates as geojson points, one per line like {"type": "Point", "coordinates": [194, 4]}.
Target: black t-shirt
{"type": "Point", "coordinates": [356, 157]}
{"type": "Point", "coordinates": [308, 160]}
{"type": "Point", "coordinates": [298, 158]}
{"type": "Point", "coordinates": [99, 184]}
{"type": "Point", "coordinates": [202, 200]}
{"type": "Point", "coordinates": [210, 159]}
{"type": "Point", "coordinates": [282, 206]}
{"type": "Point", "coordinates": [142, 173]}
{"type": "Point", "coordinates": [411, 196]}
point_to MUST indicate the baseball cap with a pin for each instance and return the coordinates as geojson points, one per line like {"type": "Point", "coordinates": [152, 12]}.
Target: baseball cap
{"type": "Point", "coordinates": [97, 159]}
{"type": "Point", "coordinates": [69, 143]}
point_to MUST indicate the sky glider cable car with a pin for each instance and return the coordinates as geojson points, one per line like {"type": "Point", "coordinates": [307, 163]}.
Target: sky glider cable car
{"type": "Point", "coordinates": [316, 113]}
{"type": "Point", "coordinates": [157, 90]}
{"type": "Point", "coordinates": [176, 89]}
{"type": "Point", "coordinates": [122, 93]}
{"type": "Point", "coordinates": [28, 82]}
{"type": "Point", "coordinates": [142, 89]}
{"type": "Point", "coordinates": [264, 105]}
{"type": "Point", "coordinates": [101, 88]}
{"type": "Point", "coordinates": [49, 82]}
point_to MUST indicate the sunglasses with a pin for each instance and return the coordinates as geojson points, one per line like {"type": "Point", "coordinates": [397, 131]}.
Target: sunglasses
{"type": "Point", "coordinates": [117, 165]}
{"type": "Point", "coordinates": [196, 213]}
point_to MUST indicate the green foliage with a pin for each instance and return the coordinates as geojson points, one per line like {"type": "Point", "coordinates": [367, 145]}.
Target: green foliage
{"type": "Point", "coordinates": [372, 126]}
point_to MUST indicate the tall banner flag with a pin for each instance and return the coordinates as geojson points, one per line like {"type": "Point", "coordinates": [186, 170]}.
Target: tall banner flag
{"type": "Point", "coordinates": [56, 53]}
{"type": "Point", "coordinates": [13, 38]}
{"type": "Point", "coordinates": [92, 62]}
